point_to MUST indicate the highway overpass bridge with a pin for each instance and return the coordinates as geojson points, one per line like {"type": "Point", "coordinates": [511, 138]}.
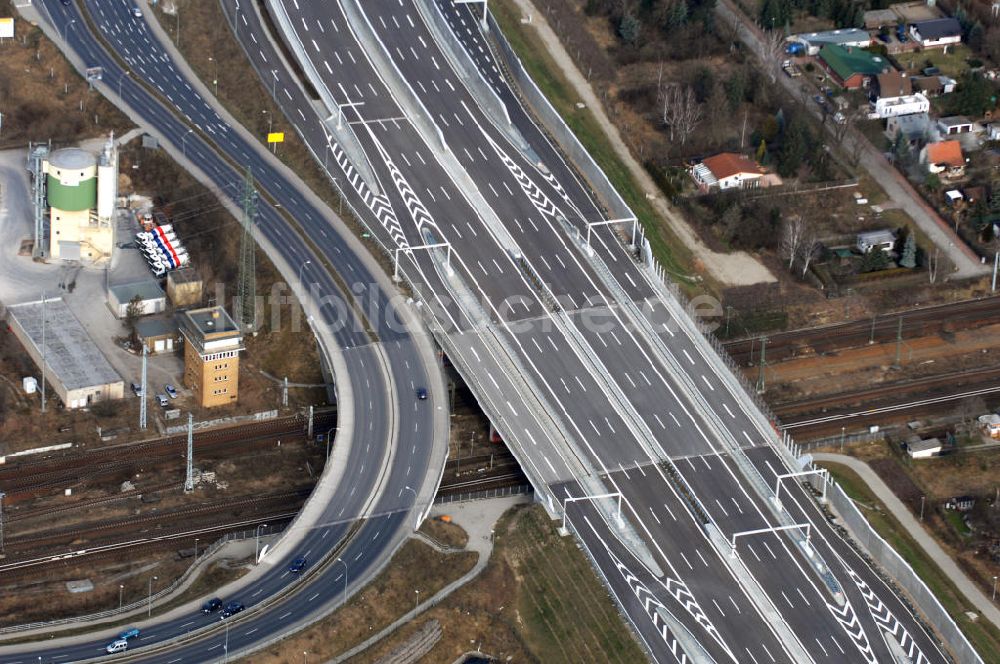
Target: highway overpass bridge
{"type": "Point", "coordinates": [545, 297]}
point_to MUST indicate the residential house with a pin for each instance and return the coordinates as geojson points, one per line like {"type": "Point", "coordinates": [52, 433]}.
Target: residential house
{"type": "Point", "coordinates": [944, 158]}
{"type": "Point", "coordinates": [852, 68]}
{"type": "Point", "coordinates": [939, 32]}
{"type": "Point", "coordinates": [960, 503]}
{"type": "Point", "coordinates": [887, 107]}
{"type": "Point", "coordinates": [934, 86]}
{"type": "Point", "coordinates": [915, 127]}
{"type": "Point", "coordinates": [993, 132]}
{"type": "Point", "coordinates": [813, 42]}
{"type": "Point", "coordinates": [727, 170]}
{"type": "Point", "coordinates": [891, 84]}
{"type": "Point", "coordinates": [884, 240]}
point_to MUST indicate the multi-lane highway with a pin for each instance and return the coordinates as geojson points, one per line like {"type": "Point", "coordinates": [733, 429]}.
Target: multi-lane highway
{"type": "Point", "coordinates": [593, 372]}
{"type": "Point", "coordinates": [390, 447]}
{"type": "Point", "coordinates": [639, 406]}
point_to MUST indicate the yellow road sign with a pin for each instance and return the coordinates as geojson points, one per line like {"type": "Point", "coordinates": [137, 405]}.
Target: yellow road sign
{"type": "Point", "coordinates": [276, 137]}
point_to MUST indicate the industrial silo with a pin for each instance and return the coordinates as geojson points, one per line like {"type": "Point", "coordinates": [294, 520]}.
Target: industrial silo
{"type": "Point", "coordinates": [75, 232]}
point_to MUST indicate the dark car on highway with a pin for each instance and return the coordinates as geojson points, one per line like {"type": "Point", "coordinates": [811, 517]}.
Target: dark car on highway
{"type": "Point", "coordinates": [297, 565]}
{"type": "Point", "coordinates": [232, 609]}
{"type": "Point", "coordinates": [211, 606]}
{"type": "Point", "coordinates": [422, 393]}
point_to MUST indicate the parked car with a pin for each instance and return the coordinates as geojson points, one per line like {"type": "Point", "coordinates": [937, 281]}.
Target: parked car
{"type": "Point", "coordinates": [137, 389]}
{"type": "Point", "coordinates": [130, 633]}
{"type": "Point", "coordinates": [232, 609]}
{"type": "Point", "coordinates": [118, 645]}
{"type": "Point", "coordinates": [171, 392]}
{"type": "Point", "coordinates": [297, 565]}
{"type": "Point", "coordinates": [211, 606]}
{"type": "Point", "coordinates": [422, 393]}
{"type": "Point", "coordinates": [162, 400]}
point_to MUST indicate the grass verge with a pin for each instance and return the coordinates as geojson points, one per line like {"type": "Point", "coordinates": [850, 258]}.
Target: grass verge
{"type": "Point", "coordinates": [669, 250]}
{"type": "Point", "coordinates": [983, 635]}
{"type": "Point", "coordinates": [538, 600]}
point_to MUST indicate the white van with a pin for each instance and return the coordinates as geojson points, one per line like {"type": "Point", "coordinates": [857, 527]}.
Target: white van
{"type": "Point", "coordinates": [118, 645]}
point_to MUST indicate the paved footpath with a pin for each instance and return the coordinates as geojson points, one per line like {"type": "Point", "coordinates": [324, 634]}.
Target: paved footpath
{"type": "Point", "coordinates": [477, 518]}
{"type": "Point", "coordinates": [895, 506]}
{"type": "Point", "coordinates": [737, 268]}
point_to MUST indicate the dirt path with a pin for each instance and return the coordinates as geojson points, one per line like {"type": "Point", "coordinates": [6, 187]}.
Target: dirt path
{"type": "Point", "coordinates": [734, 269]}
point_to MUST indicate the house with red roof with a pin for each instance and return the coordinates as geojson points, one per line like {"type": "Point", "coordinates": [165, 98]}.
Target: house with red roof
{"type": "Point", "coordinates": [727, 170]}
{"type": "Point", "coordinates": [944, 158]}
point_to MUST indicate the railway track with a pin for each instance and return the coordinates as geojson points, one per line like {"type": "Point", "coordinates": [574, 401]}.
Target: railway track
{"type": "Point", "coordinates": [115, 531]}
{"type": "Point", "coordinates": [21, 480]}
{"type": "Point", "coordinates": [925, 321]}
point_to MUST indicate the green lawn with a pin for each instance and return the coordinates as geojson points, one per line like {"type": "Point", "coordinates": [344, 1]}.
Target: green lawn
{"type": "Point", "coordinates": [983, 635]}
{"type": "Point", "coordinates": [952, 63]}
{"type": "Point", "coordinates": [666, 247]}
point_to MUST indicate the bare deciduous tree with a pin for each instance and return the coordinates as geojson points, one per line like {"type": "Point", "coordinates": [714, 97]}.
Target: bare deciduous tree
{"type": "Point", "coordinates": [933, 262]}
{"type": "Point", "coordinates": [772, 47]}
{"type": "Point", "coordinates": [808, 246]}
{"type": "Point", "coordinates": [681, 112]}
{"type": "Point", "coordinates": [791, 238]}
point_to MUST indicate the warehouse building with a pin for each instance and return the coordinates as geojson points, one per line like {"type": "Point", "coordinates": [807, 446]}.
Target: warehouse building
{"type": "Point", "coordinates": [152, 299]}
{"type": "Point", "coordinates": [75, 369]}
{"type": "Point", "coordinates": [212, 345]}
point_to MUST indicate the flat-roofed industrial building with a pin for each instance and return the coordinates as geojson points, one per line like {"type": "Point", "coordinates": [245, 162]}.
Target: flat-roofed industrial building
{"type": "Point", "coordinates": [75, 369]}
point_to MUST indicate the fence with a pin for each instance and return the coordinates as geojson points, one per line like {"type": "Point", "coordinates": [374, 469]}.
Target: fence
{"type": "Point", "coordinates": [519, 490]}
{"type": "Point", "coordinates": [902, 575]}
{"type": "Point", "coordinates": [145, 602]}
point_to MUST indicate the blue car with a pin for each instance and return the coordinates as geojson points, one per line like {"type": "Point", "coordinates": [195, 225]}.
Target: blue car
{"type": "Point", "coordinates": [211, 606]}
{"type": "Point", "coordinates": [297, 565]}
{"type": "Point", "coordinates": [129, 634]}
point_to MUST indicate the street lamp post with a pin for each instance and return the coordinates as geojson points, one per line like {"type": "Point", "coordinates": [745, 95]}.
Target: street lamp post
{"type": "Point", "coordinates": [184, 141]}
{"type": "Point", "coordinates": [417, 603]}
{"type": "Point", "coordinates": [407, 488]}
{"type": "Point", "coordinates": [149, 597]}
{"type": "Point", "coordinates": [66, 29]}
{"type": "Point", "coordinates": [341, 561]}
{"type": "Point", "coordinates": [334, 428]}
{"type": "Point", "coordinates": [196, 548]}
{"type": "Point", "coordinates": [256, 548]}
{"type": "Point", "coordinates": [922, 507]}
{"type": "Point", "coordinates": [994, 588]}
{"type": "Point", "coordinates": [302, 267]}
{"type": "Point", "coordinates": [215, 78]}
{"type": "Point", "coordinates": [121, 595]}
{"type": "Point", "coordinates": [121, 79]}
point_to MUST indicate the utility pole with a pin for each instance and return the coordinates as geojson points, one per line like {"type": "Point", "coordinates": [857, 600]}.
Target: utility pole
{"type": "Point", "coordinates": [899, 343]}
{"type": "Point", "coordinates": [43, 351]}
{"type": "Point", "coordinates": [189, 478]}
{"type": "Point", "coordinates": [996, 264]}
{"type": "Point", "coordinates": [247, 288]}
{"type": "Point", "coordinates": [142, 392]}
{"type": "Point", "coordinates": [3, 552]}
{"type": "Point", "coordinates": [761, 380]}
{"type": "Point", "coordinates": [309, 434]}
{"type": "Point", "coordinates": [871, 337]}
{"type": "Point", "coordinates": [284, 393]}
